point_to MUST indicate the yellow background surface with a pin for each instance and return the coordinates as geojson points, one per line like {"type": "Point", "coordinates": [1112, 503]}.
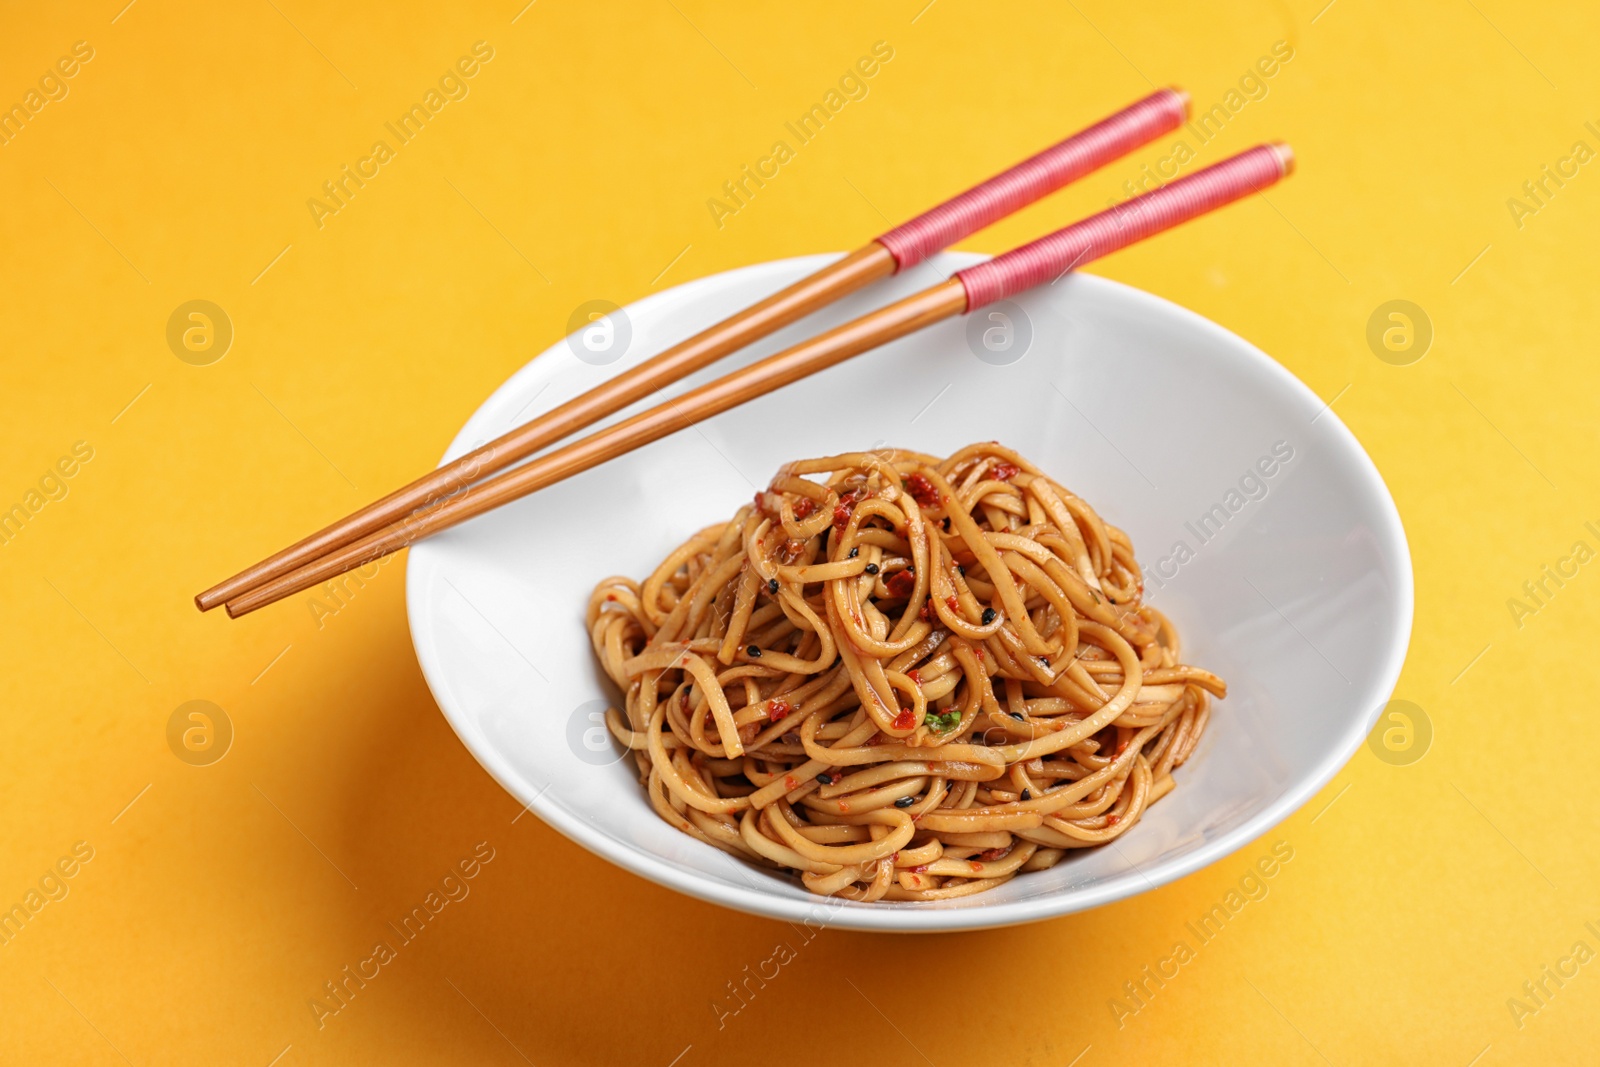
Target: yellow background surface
{"type": "Point", "coordinates": [1422, 893]}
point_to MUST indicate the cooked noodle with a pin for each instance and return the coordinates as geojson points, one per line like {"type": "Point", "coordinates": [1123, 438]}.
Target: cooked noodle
{"type": "Point", "coordinates": [908, 680]}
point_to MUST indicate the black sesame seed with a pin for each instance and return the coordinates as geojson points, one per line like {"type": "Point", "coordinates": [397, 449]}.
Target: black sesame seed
{"type": "Point", "coordinates": [753, 651]}
{"type": "Point", "coordinates": [825, 779]}
{"type": "Point", "coordinates": [1026, 795]}
{"type": "Point", "coordinates": [772, 586]}
{"type": "Point", "coordinates": [988, 616]}
{"type": "Point", "coordinates": [854, 552]}
{"type": "Point", "coordinates": [962, 569]}
{"type": "Point", "coordinates": [872, 568]}
{"type": "Point", "coordinates": [905, 802]}
{"type": "Point", "coordinates": [1017, 716]}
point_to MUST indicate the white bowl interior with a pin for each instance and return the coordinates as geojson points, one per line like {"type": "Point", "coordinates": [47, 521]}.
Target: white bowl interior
{"type": "Point", "coordinates": [1296, 588]}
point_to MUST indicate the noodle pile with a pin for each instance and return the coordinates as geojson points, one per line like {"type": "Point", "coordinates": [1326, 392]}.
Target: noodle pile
{"type": "Point", "coordinates": [907, 679]}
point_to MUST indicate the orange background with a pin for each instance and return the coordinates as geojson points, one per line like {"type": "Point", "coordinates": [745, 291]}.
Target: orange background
{"type": "Point", "coordinates": [220, 898]}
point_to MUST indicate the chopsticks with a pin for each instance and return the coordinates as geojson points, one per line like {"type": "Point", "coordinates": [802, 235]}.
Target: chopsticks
{"type": "Point", "coordinates": [904, 246]}
{"type": "Point", "coordinates": [1036, 263]}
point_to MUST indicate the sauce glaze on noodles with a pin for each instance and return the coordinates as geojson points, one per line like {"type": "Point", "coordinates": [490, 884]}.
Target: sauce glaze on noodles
{"type": "Point", "coordinates": [903, 677]}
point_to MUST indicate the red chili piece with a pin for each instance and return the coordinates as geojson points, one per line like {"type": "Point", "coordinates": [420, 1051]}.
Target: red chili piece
{"type": "Point", "coordinates": [846, 505]}
{"type": "Point", "coordinates": [905, 720]}
{"type": "Point", "coordinates": [900, 583]}
{"type": "Point", "coordinates": [922, 490]}
{"type": "Point", "coordinates": [805, 507]}
{"type": "Point", "coordinates": [1006, 471]}
{"type": "Point", "coordinates": [777, 710]}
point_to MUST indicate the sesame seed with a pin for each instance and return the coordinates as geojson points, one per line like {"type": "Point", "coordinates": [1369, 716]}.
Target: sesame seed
{"type": "Point", "coordinates": [905, 802]}
{"type": "Point", "coordinates": [772, 586]}
{"type": "Point", "coordinates": [1017, 716]}
{"type": "Point", "coordinates": [1026, 795]}
{"type": "Point", "coordinates": [872, 568]}
{"type": "Point", "coordinates": [753, 651]}
{"type": "Point", "coordinates": [988, 616]}
{"type": "Point", "coordinates": [854, 552]}
{"type": "Point", "coordinates": [825, 778]}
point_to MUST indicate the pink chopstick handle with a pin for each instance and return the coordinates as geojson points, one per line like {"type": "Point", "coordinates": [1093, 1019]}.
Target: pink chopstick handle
{"type": "Point", "coordinates": [1051, 256]}
{"type": "Point", "coordinates": [1036, 177]}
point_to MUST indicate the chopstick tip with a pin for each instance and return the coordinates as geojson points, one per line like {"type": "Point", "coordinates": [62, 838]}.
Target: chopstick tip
{"type": "Point", "coordinates": [1285, 156]}
{"type": "Point", "coordinates": [1183, 99]}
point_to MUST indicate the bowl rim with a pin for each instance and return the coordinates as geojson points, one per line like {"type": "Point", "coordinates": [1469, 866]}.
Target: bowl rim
{"type": "Point", "coordinates": [929, 918]}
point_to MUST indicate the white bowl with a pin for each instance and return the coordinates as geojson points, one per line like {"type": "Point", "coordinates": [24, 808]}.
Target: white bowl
{"type": "Point", "coordinates": [1300, 597]}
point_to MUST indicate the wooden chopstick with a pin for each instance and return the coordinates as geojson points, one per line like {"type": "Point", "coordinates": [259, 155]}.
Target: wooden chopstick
{"type": "Point", "coordinates": [903, 246]}
{"type": "Point", "coordinates": [1032, 264]}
